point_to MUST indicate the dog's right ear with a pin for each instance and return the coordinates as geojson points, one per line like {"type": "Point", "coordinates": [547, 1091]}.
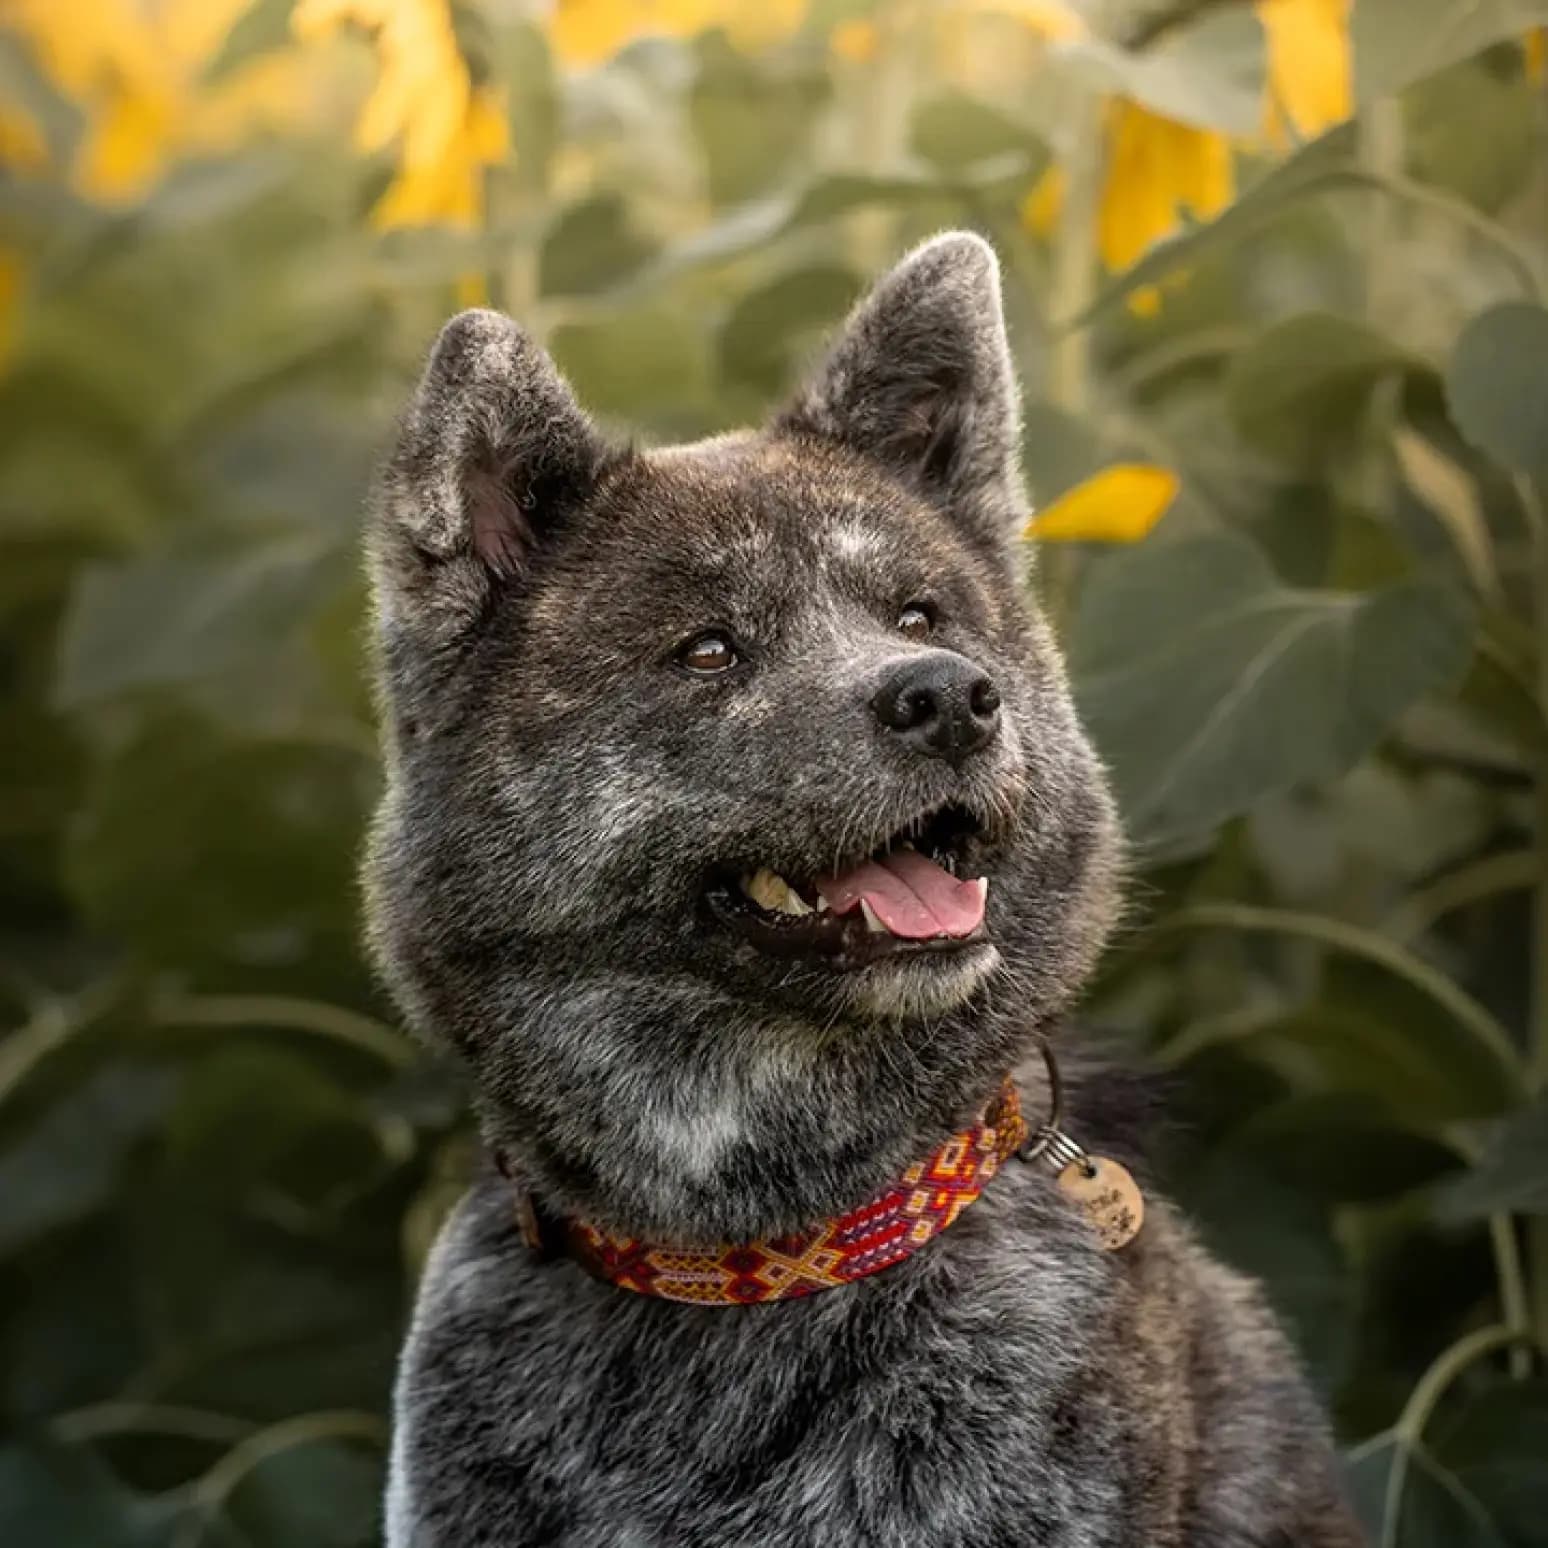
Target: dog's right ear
{"type": "Point", "coordinates": [491, 452]}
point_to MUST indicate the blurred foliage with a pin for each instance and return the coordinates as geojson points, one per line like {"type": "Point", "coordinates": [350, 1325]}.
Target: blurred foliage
{"type": "Point", "coordinates": [1275, 270]}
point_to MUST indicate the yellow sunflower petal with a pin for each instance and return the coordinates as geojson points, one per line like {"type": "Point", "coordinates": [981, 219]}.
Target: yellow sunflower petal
{"type": "Point", "coordinates": [488, 127]}
{"type": "Point", "coordinates": [1118, 505]}
{"type": "Point", "coordinates": [1156, 168]}
{"type": "Point", "coordinates": [1310, 76]}
{"type": "Point", "coordinates": [855, 40]}
{"type": "Point", "coordinates": [22, 146]}
{"type": "Point", "coordinates": [1040, 209]}
{"type": "Point", "coordinates": [126, 146]}
{"type": "Point", "coordinates": [1145, 301]}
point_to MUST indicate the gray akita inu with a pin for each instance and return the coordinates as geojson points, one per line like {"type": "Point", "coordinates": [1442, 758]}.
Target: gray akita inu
{"type": "Point", "coordinates": [740, 836]}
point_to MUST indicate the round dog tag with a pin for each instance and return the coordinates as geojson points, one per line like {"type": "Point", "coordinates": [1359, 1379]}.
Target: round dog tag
{"type": "Point", "coordinates": [1107, 1196]}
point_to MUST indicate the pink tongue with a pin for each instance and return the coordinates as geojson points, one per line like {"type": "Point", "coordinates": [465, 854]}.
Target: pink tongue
{"type": "Point", "coordinates": [911, 895]}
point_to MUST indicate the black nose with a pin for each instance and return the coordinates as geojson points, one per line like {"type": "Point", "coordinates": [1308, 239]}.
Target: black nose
{"type": "Point", "coordinates": [940, 704]}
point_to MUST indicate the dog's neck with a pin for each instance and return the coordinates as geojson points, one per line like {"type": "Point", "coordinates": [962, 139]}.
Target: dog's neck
{"type": "Point", "coordinates": [660, 1117]}
{"type": "Point", "coordinates": [885, 1230]}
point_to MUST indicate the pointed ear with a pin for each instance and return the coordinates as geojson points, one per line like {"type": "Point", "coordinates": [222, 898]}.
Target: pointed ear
{"type": "Point", "coordinates": [920, 379]}
{"type": "Point", "coordinates": [490, 454]}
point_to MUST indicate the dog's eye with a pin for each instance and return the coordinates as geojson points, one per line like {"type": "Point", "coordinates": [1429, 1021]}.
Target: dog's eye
{"type": "Point", "coordinates": [916, 621]}
{"type": "Point", "coordinates": [708, 653]}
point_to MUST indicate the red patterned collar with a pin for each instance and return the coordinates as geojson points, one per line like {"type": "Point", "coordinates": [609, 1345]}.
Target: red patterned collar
{"type": "Point", "coordinates": [929, 1196]}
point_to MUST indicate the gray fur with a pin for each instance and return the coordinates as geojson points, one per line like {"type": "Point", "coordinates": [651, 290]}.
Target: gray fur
{"type": "Point", "coordinates": [556, 790]}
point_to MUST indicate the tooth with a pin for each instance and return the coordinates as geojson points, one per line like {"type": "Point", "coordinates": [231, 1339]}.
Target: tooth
{"type": "Point", "coordinates": [872, 923]}
{"type": "Point", "coordinates": [770, 890]}
{"type": "Point", "coordinates": [822, 904]}
{"type": "Point", "coordinates": [982, 883]}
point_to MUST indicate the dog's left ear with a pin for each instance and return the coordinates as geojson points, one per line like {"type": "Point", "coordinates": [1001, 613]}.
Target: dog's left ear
{"type": "Point", "coordinates": [921, 380]}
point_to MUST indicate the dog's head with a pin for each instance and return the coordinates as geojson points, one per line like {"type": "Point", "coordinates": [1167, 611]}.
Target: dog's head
{"type": "Point", "coordinates": [738, 831]}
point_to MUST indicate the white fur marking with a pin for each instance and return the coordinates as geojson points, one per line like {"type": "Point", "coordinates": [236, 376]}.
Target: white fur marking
{"type": "Point", "coordinates": [699, 1140]}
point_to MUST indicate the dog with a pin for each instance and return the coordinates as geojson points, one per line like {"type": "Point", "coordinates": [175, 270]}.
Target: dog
{"type": "Point", "coordinates": [740, 836]}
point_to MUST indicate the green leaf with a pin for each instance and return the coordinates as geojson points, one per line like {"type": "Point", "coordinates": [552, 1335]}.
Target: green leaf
{"type": "Point", "coordinates": [840, 193]}
{"type": "Point", "coordinates": [168, 620]}
{"type": "Point", "coordinates": [1207, 684]}
{"type": "Point", "coordinates": [1398, 42]}
{"type": "Point", "coordinates": [646, 364]}
{"type": "Point", "coordinates": [67, 1164]}
{"type": "Point", "coordinates": [1510, 1178]}
{"type": "Point", "coordinates": [258, 1121]}
{"type": "Point", "coordinates": [751, 118]}
{"type": "Point", "coordinates": [51, 418]}
{"type": "Point", "coordinates": [770, 328]}
{"type": "Point", "coordinates": [198, 846]}
{"type": "Point", "coordinates": [1497, 385]}
{"type": "Point", "coordinates": [954, 132]}
{"type": "Point", "coordinates": [1342, 1147]}
{"type": "Point", "coordinates": [1301, 387]}
{"type": "Point", "coordinates": [523, 61]}
{"type": "Point", "coordinates": [1491, 161]}
{"type": "Point", "coordinates": [1313, 169]}
{"type": "Point", "coordinates": [1059, 450]}
{"type": "Point", "coordinates": [322, 1495]}
{"type": "Point", "coordinates": [592, 246]}
{"type": "Point", "coordinates": [754, 226]}
{"type": "Point", "coordinates": [1503, 701]}
{"type": "Point", "coordinates": [1406, 1499]}
{"type": "Point", "coordinates": [211, 189]}
{"type": "Point", "coordinates": [1496, 1448]}
{"type": "Point", "coordinates": [1259, 1225]}
{"type": "Point", "coordinates": [53, 1496]}
{"type": "Point", "coordinates": [1208, 75]}
{"type": "Point", "coordinates": [1385, 1023]}
{"type": "Point", "coordinates": [263, 27]}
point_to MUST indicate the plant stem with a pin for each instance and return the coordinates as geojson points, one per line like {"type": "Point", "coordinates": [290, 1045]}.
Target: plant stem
{"type": "Point", "coordinates": [1157, 27]}
{"type": "Point", "coordinates": [52, 1025]}
{"type": "Point", "coordinates": [1072, 288]}
{"type": "Point", "coordinates": [1408, 1432]}
{"type": "Point", "coordinates": [1381, 157]}
{"type": "Point", "coordinates": [289, 1013]}
{"type": "Point", "coordinates": [1537, 522]}
{"type": "Point", "coordinates": [1424, 196]}
{"type": "Point", "coordinates": [1515, 1302]}
{"type": "Point", "coordinates": [1487, 1031]}
{"type": "Point", "coordinates": [1513, 870]}
{"type": "Point", "coordinates": [211, 1491]}
{"type": "Point", "coordinates": [83, 1425]}
{"type": "Point", "coordinates": [1381, 154]}
{"type": "Point", "coordinates": [1537, 1046]}
{"type": "Point", "coordinates": [882, 129]}
{"type": "Point", "coordinates": [1446, 1367]}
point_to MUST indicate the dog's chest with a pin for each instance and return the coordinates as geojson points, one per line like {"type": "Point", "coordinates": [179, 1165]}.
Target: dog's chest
{"type": "Point", "coordinates": [970, 1396]}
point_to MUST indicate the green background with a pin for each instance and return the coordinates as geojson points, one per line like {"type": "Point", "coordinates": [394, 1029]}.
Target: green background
{"type": "Point", "coordinates": [1319, 684]}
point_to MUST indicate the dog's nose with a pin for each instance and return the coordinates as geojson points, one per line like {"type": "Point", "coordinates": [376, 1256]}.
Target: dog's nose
{"type": "Point", "coordinates": [940, 704]}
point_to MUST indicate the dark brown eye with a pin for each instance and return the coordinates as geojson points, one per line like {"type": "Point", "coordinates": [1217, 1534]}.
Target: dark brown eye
{"type": "Point", "coordinates": [916, 621]}
{"type": "Point", "coordinates": [708, 653]}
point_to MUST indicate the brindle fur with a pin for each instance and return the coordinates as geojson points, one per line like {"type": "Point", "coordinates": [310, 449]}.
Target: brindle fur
{"type": "Point", "coordinates": [556, 789]}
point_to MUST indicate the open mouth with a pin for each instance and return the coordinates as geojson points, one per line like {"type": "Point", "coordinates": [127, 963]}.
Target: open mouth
{"type": "Point", "coordinates": [921, 890]}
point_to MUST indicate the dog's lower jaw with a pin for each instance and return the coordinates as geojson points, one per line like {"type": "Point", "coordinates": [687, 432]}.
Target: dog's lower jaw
{"type": "Point", "coordinates": [913, 988]}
